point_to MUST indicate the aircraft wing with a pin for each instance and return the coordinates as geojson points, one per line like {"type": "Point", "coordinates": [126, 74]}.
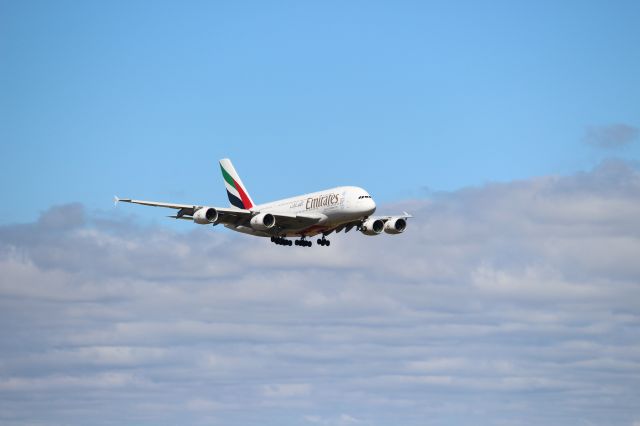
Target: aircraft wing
{"type": "Point", "coordinates": [186, 211]}
{"type": "Point", "coordinates": [233, 216]}
{"type": "Point", "coordinates": [404, 215]}
{"type": "Point", "coordinates": [357, 223]}
{"type": "Point", "coordinates": [154, 203]}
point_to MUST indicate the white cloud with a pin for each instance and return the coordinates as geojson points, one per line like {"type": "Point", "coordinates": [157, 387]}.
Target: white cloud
{"type": "Point", "coordinates": [200, 404]}
{"type": "Point", "coordinates": [611, 136]}
{"type": "Point", "coordinates": [58, 382]}
{"type": "Point", "coordinates": [516, 301]}
{"type": "Point", "coordinates": [340, 420]}
{"type": "Point", "coordinates": [286, 390]}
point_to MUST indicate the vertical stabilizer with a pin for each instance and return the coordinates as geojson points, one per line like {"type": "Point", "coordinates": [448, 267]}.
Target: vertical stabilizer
{"type": "Point", "coordinates": [236, 191]}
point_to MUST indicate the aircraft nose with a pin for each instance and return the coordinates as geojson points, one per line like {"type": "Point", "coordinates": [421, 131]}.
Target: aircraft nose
{"type": "Point", "coordinates": [371, 206]}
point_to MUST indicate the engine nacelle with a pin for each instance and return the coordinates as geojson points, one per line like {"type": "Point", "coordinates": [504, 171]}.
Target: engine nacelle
{"type": "Point", "coordinates": [205, 216]}
{"type": "Point", "coordinates": [372, 226]}
{"type": "Point", "coordinates": [263, 221]}
{"type": "Point", "coordinates": [395, 225]}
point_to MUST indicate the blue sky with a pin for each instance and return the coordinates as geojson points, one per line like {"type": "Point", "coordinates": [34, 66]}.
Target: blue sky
{"type": "Point", "coordinates": [141, 98]}
{"type": "Point", "coordinates": [510, 130]}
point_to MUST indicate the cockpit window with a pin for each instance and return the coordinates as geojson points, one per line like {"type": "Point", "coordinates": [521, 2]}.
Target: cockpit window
{"type": "Point", "coordinates": [364, 196]}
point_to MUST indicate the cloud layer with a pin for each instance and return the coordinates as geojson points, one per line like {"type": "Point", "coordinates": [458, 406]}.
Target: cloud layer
{"type": "Point", "coordinates": [509, 303]}
{"type": "Point", "coordinates": [612, 136]}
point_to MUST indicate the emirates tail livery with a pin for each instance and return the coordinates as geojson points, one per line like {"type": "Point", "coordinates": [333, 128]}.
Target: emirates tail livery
{"type": "Point", "coordinates": [323, 212]}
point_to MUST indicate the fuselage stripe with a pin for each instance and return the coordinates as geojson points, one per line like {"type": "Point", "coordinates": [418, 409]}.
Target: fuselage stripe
{"type": "Point", "coordinates": [243, 196]}
{"type": "Point", "coordinates": [227, 177]}
{"type": "Point", "coordinates": [231, 189]}
{"type": "Point", "coordinates": [235, 201]}
{"type": "Point", "coordinates": [246, 202]}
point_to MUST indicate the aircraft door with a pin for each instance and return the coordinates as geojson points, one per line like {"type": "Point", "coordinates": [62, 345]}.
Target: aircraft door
{"type": "Point", "coordinates": [344, 201]}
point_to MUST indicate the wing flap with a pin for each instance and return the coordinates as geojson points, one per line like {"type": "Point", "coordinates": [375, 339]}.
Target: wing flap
{"type": "Point", "coordinates": [234, 216]}
{"type": "Point", "coordinates": [297, 221]}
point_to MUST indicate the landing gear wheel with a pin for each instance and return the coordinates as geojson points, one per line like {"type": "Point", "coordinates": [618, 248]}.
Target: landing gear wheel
{"type": "Point", "coordinates": [323, 241]}
{"type": "Point", "coordinates": [303, 242]}
{"type": "Point", "coordinates": [281, 241]}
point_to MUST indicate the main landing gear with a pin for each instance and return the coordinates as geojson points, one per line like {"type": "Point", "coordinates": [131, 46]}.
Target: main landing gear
{"type": "Point", "coordinates": [323, 241]}
{"type": "Point", "coordinates": [282, 241]}
{"type": "Point", "coordinates": [303, 243]}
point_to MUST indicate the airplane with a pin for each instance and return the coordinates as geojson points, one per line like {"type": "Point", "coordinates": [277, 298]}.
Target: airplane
{"type": "Point", "coordinates": [304, 216]}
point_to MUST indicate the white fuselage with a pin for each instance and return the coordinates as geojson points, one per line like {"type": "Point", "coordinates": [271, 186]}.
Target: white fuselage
{"type": "Point", "coordinates": [334, 207]}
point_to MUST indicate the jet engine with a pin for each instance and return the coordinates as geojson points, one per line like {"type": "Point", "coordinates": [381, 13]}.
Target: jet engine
{"type": "Point", "coordinates": [205, 216]}
{"type": "Point", "coordinates": [263, 221]}
{"type": "Point", "coordinates": [372, 226]}
{"type": "Point", "coordinates": [395, 225]}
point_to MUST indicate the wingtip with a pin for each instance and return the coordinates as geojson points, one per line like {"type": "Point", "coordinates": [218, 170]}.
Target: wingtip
{"type": "Point", "coordinates": [116, 200]}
